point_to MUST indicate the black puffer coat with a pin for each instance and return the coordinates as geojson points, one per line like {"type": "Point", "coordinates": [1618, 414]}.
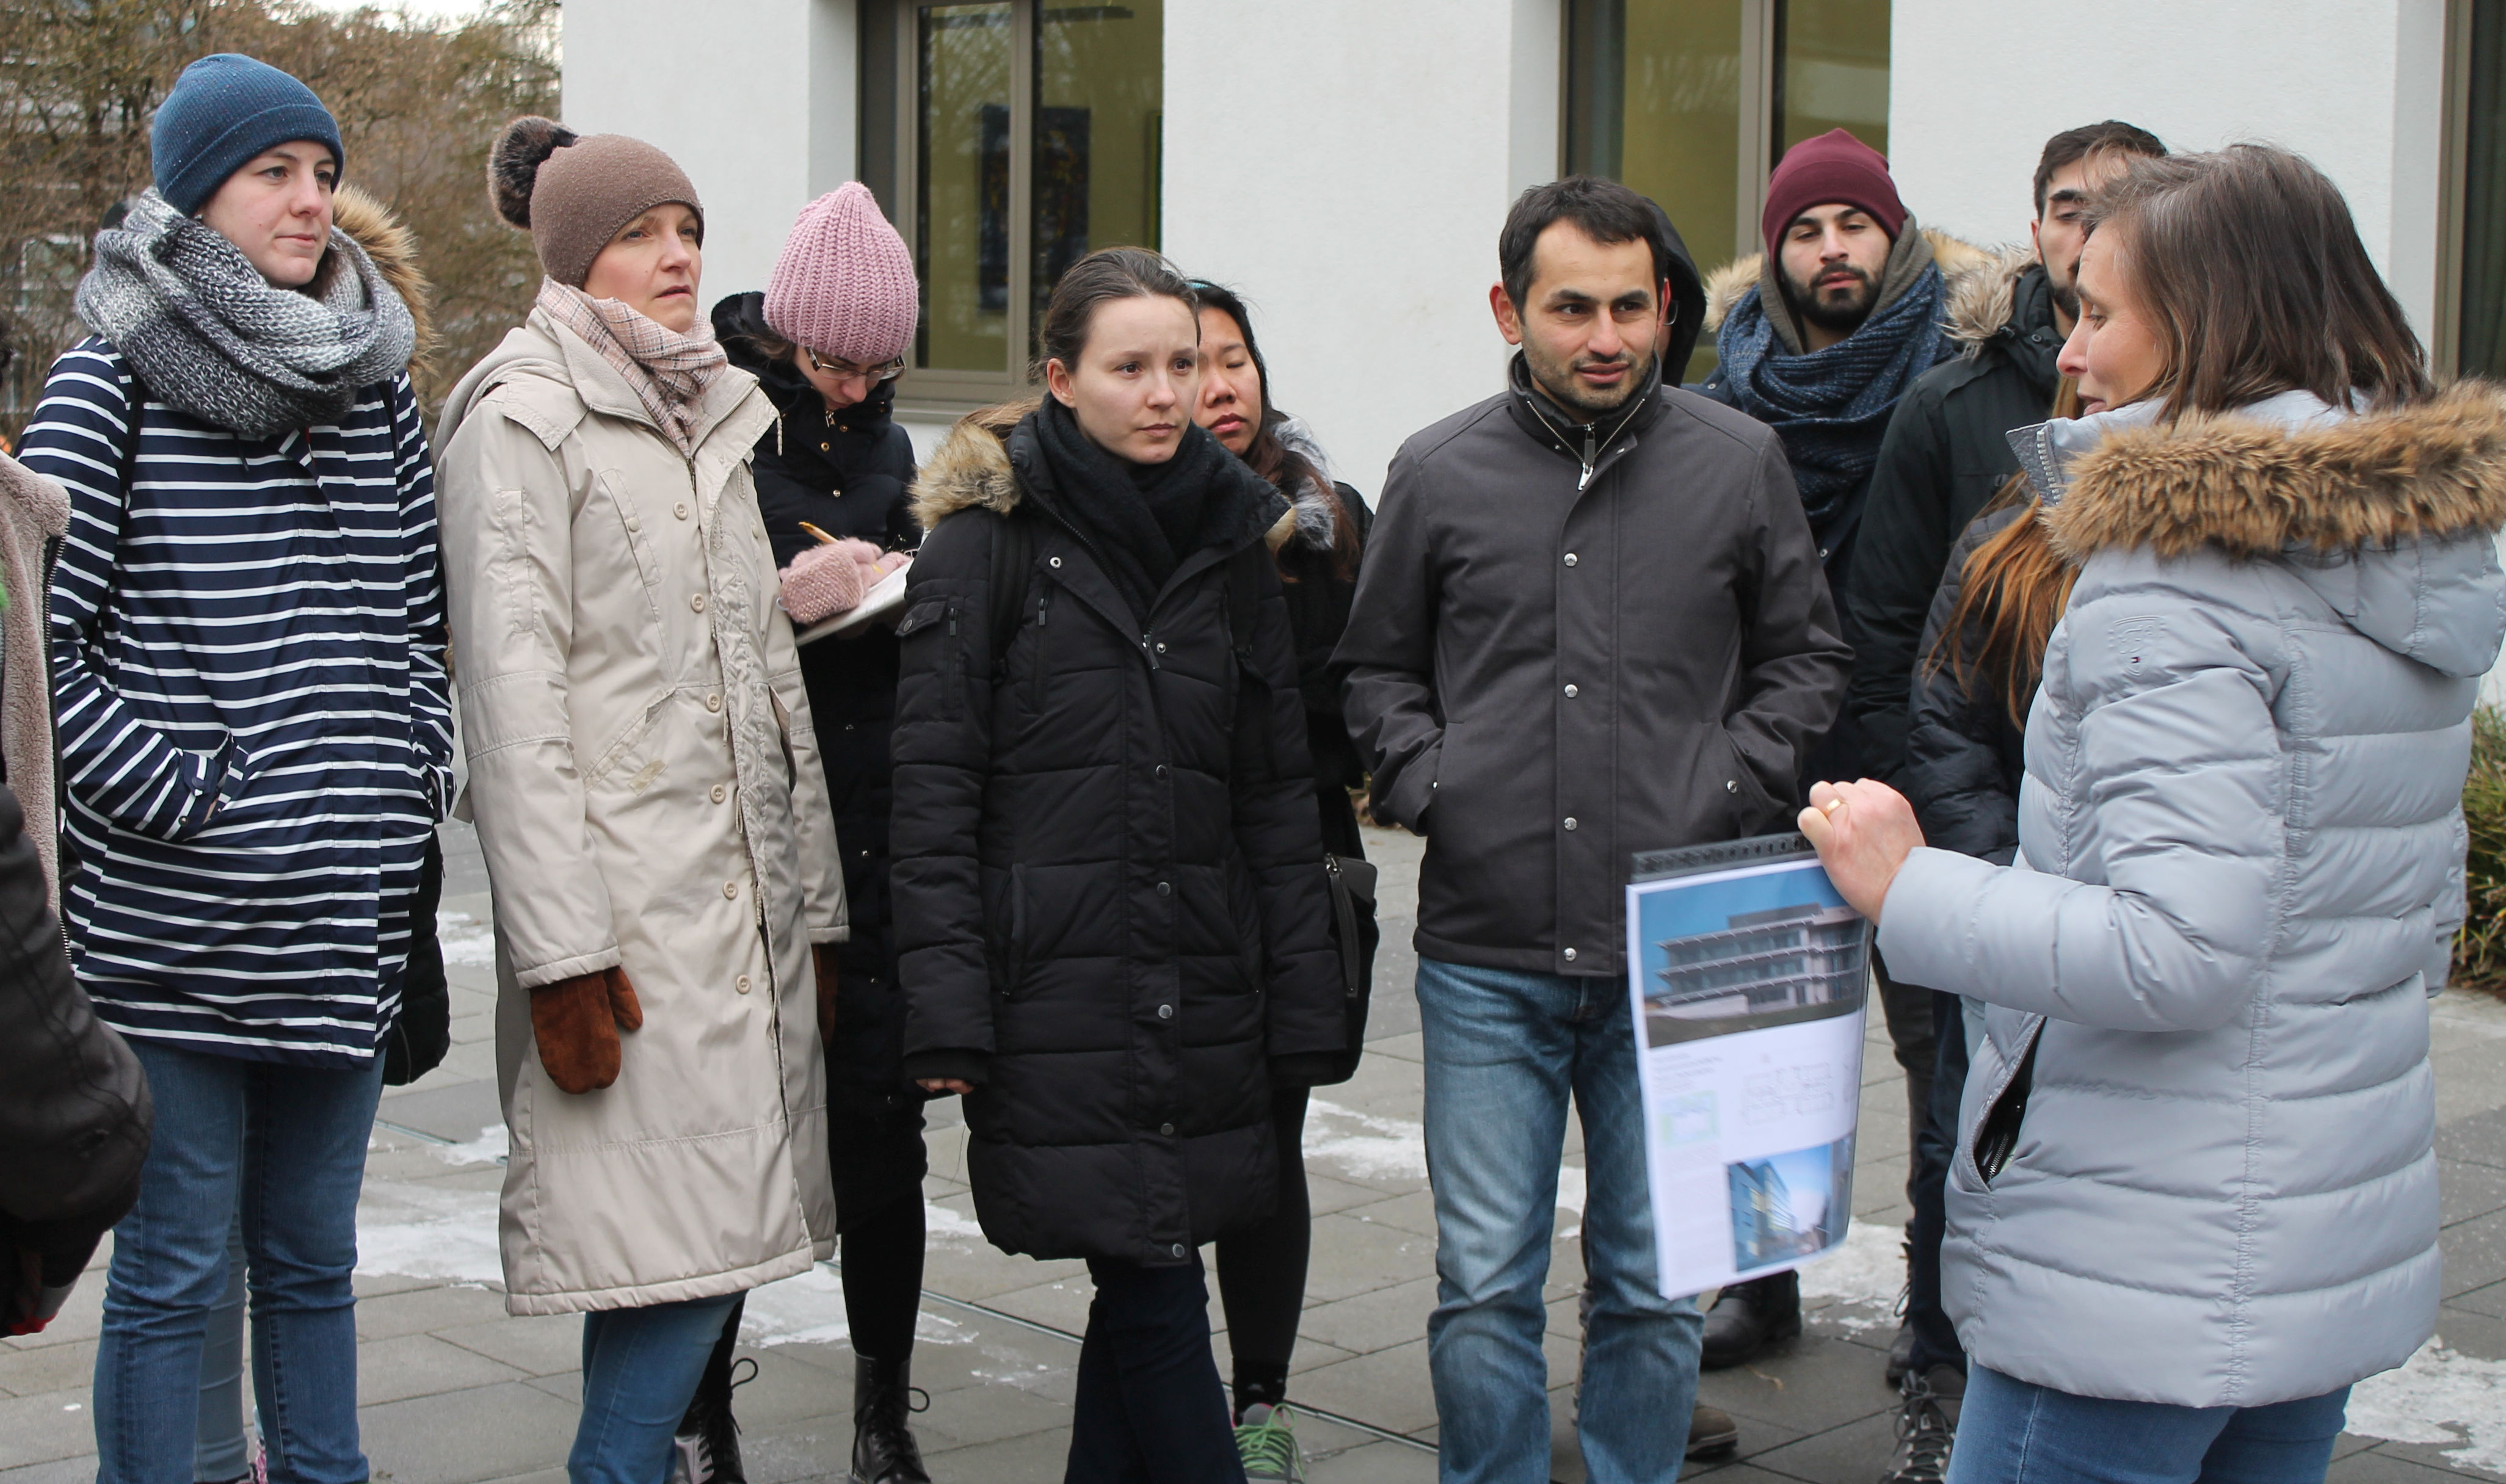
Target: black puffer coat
{"type": "Point", "coordinates": [1109, 899]}
{"type": "Point", "coordinates": [845, 473]}
{"type": "Point", "coordinates": [1947, 454]}
{"type": "Point", "coordinates": [1964, 755]}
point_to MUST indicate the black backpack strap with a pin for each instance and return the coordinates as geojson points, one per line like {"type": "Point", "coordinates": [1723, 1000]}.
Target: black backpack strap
{"type": "Point", "coordinates": [1013, 563]}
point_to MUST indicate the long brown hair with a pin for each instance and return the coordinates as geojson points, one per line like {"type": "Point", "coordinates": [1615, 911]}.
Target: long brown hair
{"type": "Point", "coordinates": [2252, 275]}
{"type": "Point", "coordinates": [2011, 592]}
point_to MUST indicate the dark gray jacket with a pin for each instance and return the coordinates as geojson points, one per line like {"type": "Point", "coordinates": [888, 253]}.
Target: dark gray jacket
{"type": "Point", "coordinates": [1554, 668]}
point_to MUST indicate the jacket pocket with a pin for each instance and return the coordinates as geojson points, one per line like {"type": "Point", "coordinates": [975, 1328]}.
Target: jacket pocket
{"type": "Point", "coordinates": [934, 621]}
{"type": "Point", "coordinates": [1996, 1133]}
{"type": "Point", "coordinates": [628, 747]}
{"type": "Point", "coordinates": [1014, 969]}
{"type": "Point", "coordinates": [1750, 802]}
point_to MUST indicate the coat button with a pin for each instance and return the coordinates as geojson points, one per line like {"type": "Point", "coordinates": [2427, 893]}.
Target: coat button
{"type": "Point", "coordinates": [1159, 772]}
{"type": "Point", "coordinates": [1165, 1012]}
{"type": "Point", "coordinates": [697, 602]}
{"type": "Point", "coordinates": [717, 794]}
{"type": "Point", "coordinates": [1570, 558]}
{"type": "Point", "coordinates": [1177, 1249]}
{"type": "Point", "coordinates": [1052, 561]}
{"type": "Point", "coordinates": [1731, 784]}
{"type": "Point", "coordinates": [824, 447]}
{"type": "Point", "coordinates": [1161, 646]}
{"type": "Point", "coordinates": [680, 510]}
{"type": "Point", "coordinates": [731, 890]}
{"type": "Point", "coordinates": [1165, 888]}
{"type": "Point", "coordinates": [1166, 1128]}
{"type": "Point", "coordinates": [1572, 693]}
{"type": "Point", "coordinates": [741, 984]}
{"type": "Point", "coordinates": [1570, 822]}
{"type": "Point", "coordinates": [1570, 955]}
{"type": "Point", "coordinates": [634, 524]}
{"type": "Point", "coordinates": [713, 702]}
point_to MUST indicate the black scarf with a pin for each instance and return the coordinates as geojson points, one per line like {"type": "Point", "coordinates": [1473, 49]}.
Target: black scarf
{"type": "Point", "coordinates": [1140, 519]}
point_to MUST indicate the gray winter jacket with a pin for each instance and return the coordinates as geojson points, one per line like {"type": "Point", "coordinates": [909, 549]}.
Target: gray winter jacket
{"type": "Point", "coordinates": [2243, 815]}
{"type": "Point", "coordinates": [1569, 646]}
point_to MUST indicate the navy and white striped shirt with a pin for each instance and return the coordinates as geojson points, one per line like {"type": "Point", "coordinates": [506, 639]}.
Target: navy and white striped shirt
{"type": "Point", "coordinates": [248, 670]}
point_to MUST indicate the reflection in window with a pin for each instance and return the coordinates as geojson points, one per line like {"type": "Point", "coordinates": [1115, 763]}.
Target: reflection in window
{"type": "Point", "coordinates": [1099, 100]}
{"type": "Point", "coordinates": [1832, 71]}
{"type": "Point", "coordinates": [2483, 347]}
{"type": "Point", "coordinates": [1021, 173]}
{"type": "Point", "coordinates": [961, 190]}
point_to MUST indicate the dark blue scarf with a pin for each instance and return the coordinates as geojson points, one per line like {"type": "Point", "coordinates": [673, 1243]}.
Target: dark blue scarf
{"type": "Point", "coordinates": [1830, 407]}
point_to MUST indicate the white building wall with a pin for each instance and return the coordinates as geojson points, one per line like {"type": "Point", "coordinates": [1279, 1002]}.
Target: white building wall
{"type": "Point", "coordinates": [754, 99]}
{"type": "Point", "coordinates": [1975, 86]}
{"type": "Point", "coordinates": [1345, 167]}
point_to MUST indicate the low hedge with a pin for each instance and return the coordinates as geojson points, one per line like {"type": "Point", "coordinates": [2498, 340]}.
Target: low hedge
{"type": "Point", "coordinates": [2479, 949]}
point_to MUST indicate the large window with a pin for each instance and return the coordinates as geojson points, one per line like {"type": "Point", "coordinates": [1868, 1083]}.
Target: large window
{"type": "Point", "coordinates": [1693, 102]}
{"type": "Point", "coordinates": [1009, 139]}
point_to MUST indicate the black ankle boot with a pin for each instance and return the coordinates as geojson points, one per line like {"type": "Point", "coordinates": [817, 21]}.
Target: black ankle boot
{"type": "Point", "coordinates": [1748, 1317]}
{"type": "Point", "coordinates": [883, 1446]}
{"type": "Point", "coordinates": [708, 1435]}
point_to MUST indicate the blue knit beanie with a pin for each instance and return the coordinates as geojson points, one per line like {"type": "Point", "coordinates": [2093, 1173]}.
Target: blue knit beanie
{"type": "Point", "coordinates": [224, 110]}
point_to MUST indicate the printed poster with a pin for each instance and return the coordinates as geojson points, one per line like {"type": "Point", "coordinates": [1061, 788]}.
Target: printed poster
{"type": "Point", "coordinates": [1750, 977]}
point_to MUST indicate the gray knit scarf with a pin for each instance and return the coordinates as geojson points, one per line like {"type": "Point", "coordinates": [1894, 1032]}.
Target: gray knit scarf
{"type": "Point", "coordinates": [215, 339]}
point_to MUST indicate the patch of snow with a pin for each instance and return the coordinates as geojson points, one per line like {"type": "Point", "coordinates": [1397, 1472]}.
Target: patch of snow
{"type": "Point", "coordinates": [805, 1309]}
{"type": "Point", "coordinates": [489, 1148]}
{"type": "Point", "coordinates": [419, 1231]}
{"type": "Point", "coordinates": [465, 940]}
{"type": "Point", "coordinates": [2441, 1397]}
{"type": "Point", "coordinates": [1860, 1277]}
{"type": "Point", "coordinates": [945, 1224]}
{"type": "Point", "coordinates": [1363, 1145]}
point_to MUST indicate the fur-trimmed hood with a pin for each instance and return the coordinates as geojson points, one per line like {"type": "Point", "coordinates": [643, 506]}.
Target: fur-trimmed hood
{"type": "Point", "coordinates": [970, 468]}
{"type": "Point", "coordinates": [2353, 503]}
{"type": "Point", "coordinates": [1960, 263]}
{"type": "Point", "coordinates": [1977, 305]}
{"type": "Point", "coordinates": [394, 251]}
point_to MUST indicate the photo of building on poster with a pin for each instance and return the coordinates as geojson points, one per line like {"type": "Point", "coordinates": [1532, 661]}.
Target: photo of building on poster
{"type": "Point", "coordinates": [1786, 1207]}
{"type": "Point", "coordinates": [1750, 982]}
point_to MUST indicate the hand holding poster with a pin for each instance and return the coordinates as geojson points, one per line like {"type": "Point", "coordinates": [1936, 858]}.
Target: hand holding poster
{"type": "Point", "coordinates": [1748, 975]}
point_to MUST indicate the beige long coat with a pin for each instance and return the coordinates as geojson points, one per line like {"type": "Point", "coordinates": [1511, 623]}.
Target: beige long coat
{"type": "Point", "coordinates": [647, 789]}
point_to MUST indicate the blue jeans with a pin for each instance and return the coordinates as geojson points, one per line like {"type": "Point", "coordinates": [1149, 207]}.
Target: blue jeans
{"type": "Point", "coordinates": [222, 1453]}
{"type": "Point", "coordinates": [1505, 1052]}
{"type": "Point", "coordinates": [640, 1369]}
{"type": "Point", "coordinates": [2016, 1432]}
{"type": "Point", "coordinates": [286, 1147]}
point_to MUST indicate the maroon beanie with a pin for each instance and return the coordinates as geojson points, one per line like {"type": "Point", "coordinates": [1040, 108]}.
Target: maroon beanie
{"type": "Point", "coordinates": [1834, 168]}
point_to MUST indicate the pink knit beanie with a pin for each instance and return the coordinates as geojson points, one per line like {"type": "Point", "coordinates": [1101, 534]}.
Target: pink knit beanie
{"type": "Point", "coordinates": [844, 283]}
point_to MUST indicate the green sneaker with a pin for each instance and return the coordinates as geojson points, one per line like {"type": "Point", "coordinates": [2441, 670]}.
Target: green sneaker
{"type": "Point", "coordinates": [1268, 1444]}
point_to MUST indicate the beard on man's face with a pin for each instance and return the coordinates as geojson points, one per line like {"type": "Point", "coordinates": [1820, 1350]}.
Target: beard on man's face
{"type": "Point", "coordinates": [1839, 304]}
{"type": "Point", "coordinates": [1566, 388]}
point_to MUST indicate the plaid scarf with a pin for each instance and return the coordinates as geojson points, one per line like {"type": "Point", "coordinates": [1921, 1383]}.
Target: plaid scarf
{"type": "Point", "coordinates": [669, 372]}
{"type": "Point", "coordinates": [215, 339]}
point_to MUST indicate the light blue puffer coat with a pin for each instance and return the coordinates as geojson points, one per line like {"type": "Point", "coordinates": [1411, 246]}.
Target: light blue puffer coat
{"type": "Point", "coordinates": [2241, 865]}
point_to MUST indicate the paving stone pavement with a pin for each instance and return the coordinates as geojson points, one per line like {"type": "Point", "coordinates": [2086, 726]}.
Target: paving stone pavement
{"type": "Point", "coordinates": [454, 1390]}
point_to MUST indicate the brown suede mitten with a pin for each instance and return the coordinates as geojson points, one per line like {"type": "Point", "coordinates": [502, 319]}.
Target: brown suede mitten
{"type": "Point", "coordinates": [576, 1022]}
{"type": "Point", "coordinates": [823, 955]}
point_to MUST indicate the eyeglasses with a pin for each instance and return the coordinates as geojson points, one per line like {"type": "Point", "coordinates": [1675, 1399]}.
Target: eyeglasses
{"type": "Point", "coordinates": [845, 371]}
